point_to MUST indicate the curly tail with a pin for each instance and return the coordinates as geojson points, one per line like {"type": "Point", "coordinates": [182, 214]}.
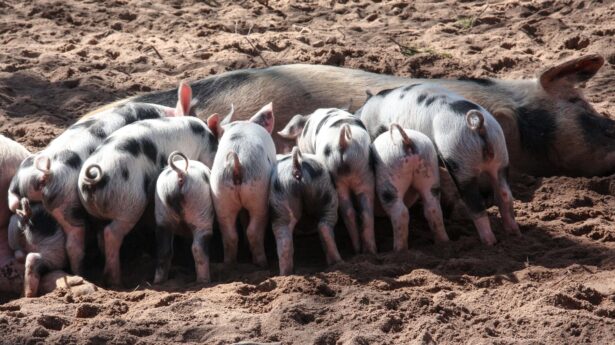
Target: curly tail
{"type": "Point", "coordinates": [93, 174]}
{"type": "Point", "coordinates": [345, 137]}
{"type": "Point", "coordinates": [232, 162]}
{"type": "Point", "coordinates": [181, 173]}
{"type": "Point", "coordinates": [297, 173]}
{"type": "Point", "coordinates": [476, 122]}
{"type": "Point", "coordinates": [406, 141]}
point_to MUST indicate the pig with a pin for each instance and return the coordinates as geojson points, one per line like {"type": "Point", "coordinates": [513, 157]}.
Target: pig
{"type": "Point", "coordinates": [343, 145]}
{"type": "Point", "coordinates": [467, 137]}
{"type": "Point", "coordinates": [118, 180]}
{"type": "Point", "coordinates": [51, 176]}
{"type": "Point", "coordinates": [11, 156]}
{"type": "Point", "coordinates": [183, 206]}
{"type": "Point", "coordinates": [406, 168]}
{"type": "Point", "coordinates": [35, 234]}
{"type": "Point", "coordinates": [240, 180]}
{"type": "Point", "coordinates": [300, 186]}
{"type": "Point", "coordinates": [540, 116]}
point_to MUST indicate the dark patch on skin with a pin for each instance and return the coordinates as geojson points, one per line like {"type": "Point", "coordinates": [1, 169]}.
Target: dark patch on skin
{"type": "Point", "coordinates": [435, 191]}
{"type": "Point", "coordinates": [421, 98]}
{"type": "Point", "coordinates": [350, 121]}
{"type": "Point", "coordinates": [212, 142]}
{"type": "Point", "coordinates": [205, 177]}
{"type": "Point", "coordinates": [327, 150]}
{"type": "Point", "coordinates": [430, 100]}
{"type": "Point", "coordinates": [124, 172]}
{"type": "Point", "coordinates": [146, 185]}
{"type": "Point", "coordinates": [277, 186]}
{"type": "Point", "coordinates": [598, 131]}
{"type": "Point", "coordinates": [161, 161]}
{"type": "Point", "coordinates": [130, 146]}
{"type": "Point", "coordinates": [479, 81]}
{"type": "Point", "coordinates": [343, 169]}
{"type": "Point", "coordinates": [273, 214]}
{"type": "Point", "coordinates": [77, 215]}
{"type": "Point", "coordinates": [537, 128]}
{"type": "Point", "coordinates": [204, 90]}
{"type": "Point", "coordinates": [40, 223]}
{"type": "Point", "coordinates": [146, 112]}
{"type": "Point", "coordinates": [175, 200]}
{"type": "Point", "coordinates": [384, 92]}
{"type": "Point", "coordinates": [471, 195]}
{"type": "Point", "coordinates": [373, 161]}
{"type": "Point", "coordinates": [91, 149]}
{"type": "Point", "coordinates": [409, 87]}
{"type": "Point", "coordinates": [462, 107]}
{"type": "Point", "coordinates": [381, 129]}
{"type": "Point", "coordinates": [314, 171]}
{"type": "Point", "coordinates": [325, 199]}
{"type": "Point", "coordinates": [68, 158]}
{"type": "Point", "coordinates": [146, 124]}
{"type": "Point", "coordinates": [97, 130]}
{"type": "Point", "coordinates": [235, 136]}
{"type": "Point", "coordinates": [388, 196]}
{"type": "Point", "coordinates": [197, 128]}
{"type": "Point", "coordinates": [149, 149]}
{"type": "Point", "coordinates": [322, 123]}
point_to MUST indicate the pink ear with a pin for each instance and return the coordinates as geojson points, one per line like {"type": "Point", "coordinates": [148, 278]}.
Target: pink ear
{"type": "Point", "coordinates": [213, 122]}
{"type": "Point", "coordinates": [265, 117]}
{"type": "Point", "coordinates": [184, 98]}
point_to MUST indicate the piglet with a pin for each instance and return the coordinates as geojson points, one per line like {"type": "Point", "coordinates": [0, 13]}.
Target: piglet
{"type": "Point", "coordinates": [183, 206]}
{"type": "Point", "coordinates": [34, 233]}
{"type": "Point", "coordinates": [51, 176]}
{"type": "Point", "coordinates": [118, 180]}
{"type": "Point", "coordinates": [240, 180]}
{"type": "Point", "coordinates": [342, 144]}
{"type": "Point", "coordinates": [468, 138]}
{"type": "Point", "coordinates": [406, 168]}
{"type": "Point", "coordinates": [301, 186]}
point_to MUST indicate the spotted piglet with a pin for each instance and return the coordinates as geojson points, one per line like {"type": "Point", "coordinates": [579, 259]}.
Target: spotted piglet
{"type": "Point", "coordinates": [342, 144]}
{"type": "Point", "coordinates": [406, 167]}
{"type": "Point", "coordinates": [34, 233]}
{"type": "Point", "coordinates": [301, 186]}
{"type": "Point", "coordinates": [118, 180]}
{"type": "Point", "coordinates": [183, 207]}
{"type": "Point", "coordinates": [468, 138]}
{"type": "Point", "coordinates": [240, 180]}
{"type": "Point", "coordinates": [51, 175]}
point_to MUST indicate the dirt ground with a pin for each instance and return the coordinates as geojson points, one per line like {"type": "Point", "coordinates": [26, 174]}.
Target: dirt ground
{"type": "Point", "coordinates": [553, 285]}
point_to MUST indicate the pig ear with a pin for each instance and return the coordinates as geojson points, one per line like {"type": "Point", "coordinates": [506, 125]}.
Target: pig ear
{"type": "Point", "coordinates": [265, 117]}
{"type": "Point", "coordinates": [294, 127]}
{"type": "Point", "coordinates": [213, 122]}
{"type": "Point", "coordinates": [184, 99]}
{"type": "Point", "coordinates": [571, 72]}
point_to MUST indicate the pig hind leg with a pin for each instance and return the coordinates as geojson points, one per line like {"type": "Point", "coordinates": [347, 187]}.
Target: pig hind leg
{"type": "Point", "coordinates": [227, 211]}
{"type": "Point", "coordinates": [470, 193]}
{"type": "Point", "coordinates": [255, 232]}
{"type": "Point", "coordinates": [200, 251]}
{"type": "Point", "coordinates": [164, 251]}
{"type": "Point", "coordinates": [113, 236]}
{"type": "Point", "coordinates": [433, 213]}
{"type": "Point", "coordinates": [349, 216]}
{"type": "Point", "coordinates": [504, 200]}
{"type": "Point", "coordinates": [74, 228]}
{"type": "Point", "coordinates": [283, 232]}
{"type": "Point", "coordinates": [35, 266]}
{"type": "Point", "coordinates": [365, 197]}
{"type": "Point", "coordinates": [391, 199]}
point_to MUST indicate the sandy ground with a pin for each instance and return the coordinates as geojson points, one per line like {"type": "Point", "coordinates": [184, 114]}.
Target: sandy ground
{"type": "Point", "coordinates": [553, 285]}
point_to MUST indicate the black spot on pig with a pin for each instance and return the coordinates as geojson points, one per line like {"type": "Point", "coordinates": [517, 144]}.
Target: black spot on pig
{"type": "Point", "coordinates": [146, 124]}
{"type": "Point", "coordinates": [68, 158]}
{"type": "Point", "coordinates": [149, 149]}
{"type": "Point", "coordinates": [462, 107]}
{"type": "Point", "coordinates": [432, 99]}
{"type": "Point", "coordinates": [537, 128]}
{"type": "Point", "coordinates": [327, 150]}
{"type": "Point", "coordinates": [41, 222]}
{"type": "Point", "coordinates": [212, 142]}
{"type": "Point", "coordinates": [91, 149]}
{"type": "Point", "coordinates": [421, 98]}
{"type": "Point", "coordinates": [277, 186]}
{"type": "Point", "coordinates": [204, 90]}
{"type": "Point", "coordinates": [343, 169]}
{"type": "Point", "coordinates": [322, 123]}
{"type": "Point", "coordinates": [130, 146]}
{"type": "Point", "coordinates": [77, 215]}
{"type": "Point", "coordinates": [161, 161]}
{"type": "Point", "coordinates": [124, 172]}
{"type": "Point", "coordinates": [479, 81]}
{"type": "Point", "coordinates": [409, 87]}
{"type": "Point", "coordinates": [598, 131]}
{"type": "Point", "coordinates": [97, 130]}
{"type": "Point", "coordinates": [313, 170]}
{"type": "Point", "coordinates": [197, 128]}
{"type": "Point", "coordinates": [326, 198]}
{"type": "Point", "coordinates": [235, 137]}
{"type": "Point", "coordinates": [435, 191]}
{"type": "Point", "coordinates": [273, 214]}
{"type": "Point", "coordinates": [350, 121]}
{"type": "Point", "coordinates": [147, 185]}
{"type": "Point", "coordinates": [205, 177]}
{"type": "Point", "coordinates": [384, 92]}
{"type": "Point", "coordinates": [388, 195]}
{"type": "Point", "coordinates": [146, 112]}
{"type": "Point", "coordinates": [381, 129]}
{"type": "Point", "coordinates": [373, 161]}
{"type": "Point", "coordinates": [175, 200]}
{"type": "Point", "coordinates": [471, 195]}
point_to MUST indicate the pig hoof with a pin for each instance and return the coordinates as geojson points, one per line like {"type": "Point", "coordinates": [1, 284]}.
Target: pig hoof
{"type": "Point", "coordinates": [489, 240]}
{"type": "Point", "coordinates": [204, 280]}
{"type": "Point", "coordinates": [29, 294]}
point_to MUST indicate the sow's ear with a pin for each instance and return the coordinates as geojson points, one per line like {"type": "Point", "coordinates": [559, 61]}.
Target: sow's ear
{"type": "Point", "coordinates": [294, 127]}
{"type": "Point", "coordinates": [184, 100]}
{"type": "Point", "coordinates": [265, 117]}
{"type": "Point", "coordinates": [571, 72]}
